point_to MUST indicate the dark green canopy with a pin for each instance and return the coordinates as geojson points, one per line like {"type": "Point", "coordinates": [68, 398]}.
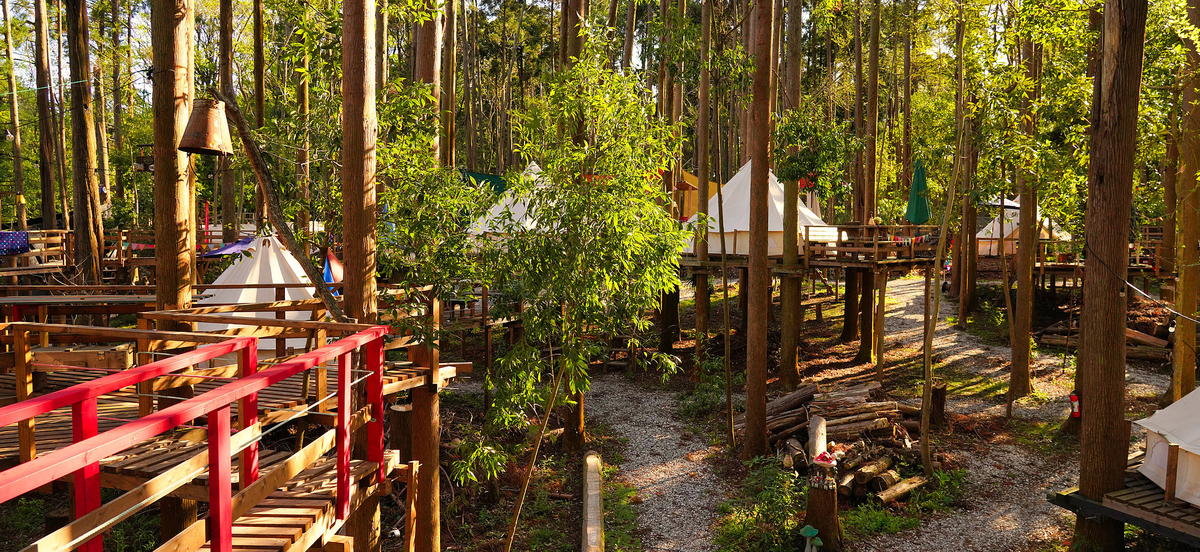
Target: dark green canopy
{"type": "Point", "coordinates": [494, 180]}
{"type": "Point", "coordinates": [918, 196]}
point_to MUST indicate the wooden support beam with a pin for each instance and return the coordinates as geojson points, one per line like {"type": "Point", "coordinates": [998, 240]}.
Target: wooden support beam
{"type": "Point", "coordinates": [1172, 471]}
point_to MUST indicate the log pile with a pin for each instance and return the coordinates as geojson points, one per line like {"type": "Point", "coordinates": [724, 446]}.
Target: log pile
{"type": "Point", "coordinates": [1138, 345]}
{"type": "Point", "coordinates": [870, 435]}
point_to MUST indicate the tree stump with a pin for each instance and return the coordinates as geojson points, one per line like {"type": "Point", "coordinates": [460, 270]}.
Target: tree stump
{"type": "Point", "coordinates": [400, 431]}
{"type": "Point", "coordinates": [937, 410]}
{"type": "Point", "coordinates": [822, 514]}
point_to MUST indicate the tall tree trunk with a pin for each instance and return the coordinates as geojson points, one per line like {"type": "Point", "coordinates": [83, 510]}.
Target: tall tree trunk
{"type": "Point", "coordinates": [231, 199]}
{"type": "Point", "coordinates": [358, 219]}
{"type": "Point", "coordinates": [117, 95]}
{"type": "Point", "coordinates": [303, 164]}
{"type": "Point", "coordinates": [89, 227]}
{"type": "Point", "coordinates": [790, 289]}
{"type": "Point", "coordinates": [759, 278]}
{"type": "Point", "coordinates": [60, 140]}
{"type": "Point", "coordinates": [1170, 172]}
{"type": "Point", "coordinates": [906, 161]}
{"type": "Point", "coordinates": [855, 280]}
{"type": "Point", "coordinates": [47, 136]}
{"type": "Point", "coordinates": [102, 157]}
{"type": "Point", "coordinates": [866, 352]}
{"type": "Point", "coordinates": [260, 99]}
{"type": "Point", "coordinates": [1101, 365]}
{"type": "Point", "coordinates": [429, 61]}
{"type": "Point", "coordinates": [172, 27]}
{"type": "Point", "coordinates": [14, 117]}
{"type": "Point", "coordinates": [449, 70]}
{"type": "Point", "coordinates": [630, 22]}
{"type": "Point", "coordinates": [1027, 242]}
{"type": "Point", "coordinates": [1187, 289]}
{"type": "Point", "coordinates": [703, 172]}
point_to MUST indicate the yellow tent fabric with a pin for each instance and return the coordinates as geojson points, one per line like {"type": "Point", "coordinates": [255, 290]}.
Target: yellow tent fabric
{"type": "Point", "coordinates": [691, 198]}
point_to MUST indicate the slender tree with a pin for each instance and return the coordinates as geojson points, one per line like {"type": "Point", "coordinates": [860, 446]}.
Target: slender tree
{"type": "Point", "coordinates": [60, 138]}
{"type": "Point", "coordinates": [117, 96]}
{"type": "Point", "coordinates": [866, 348]}
{"type": "Point", "coordinates": [15, 120]}
{"type": "Point", "coordinates": [47, 164]}
{"type": "Point", "coordinates": [1170, 173]}
{"type": "Point", "coordinates": [1101, 365]}
{"type": "Point", "coordinates": [102, 153]}
{"type": "Point", "coordinates": [759, 278]}
{"type": "Point", "coordinates": [230, 198]}
{"type": "Point", "coordinates": [1027, 241]}
{"type": "Point", "coordinates": [791, 310]}
{"type": "Point", "coordinates": [1187, 257]}
{"type": "Point", "coordinates": [703, 172]}
{"type": "Point", "coordinates": [89, 225]}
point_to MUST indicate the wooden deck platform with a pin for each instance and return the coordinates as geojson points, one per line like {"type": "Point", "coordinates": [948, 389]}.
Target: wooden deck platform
{"type": "Point", "coordinates": [1141, 503]}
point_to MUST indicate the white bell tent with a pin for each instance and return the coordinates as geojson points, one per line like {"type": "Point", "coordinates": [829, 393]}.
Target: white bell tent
{"type": "Point", "coordinates": [489, 223]}
{"type": "Point", "coordinates": [1175, 424]}
{"type": "Point", "coordinates": [266, 261]}
{"type": "Point", "coordinates": [736, 194]}
{"type": "Point", "coordinates": [988, 239]}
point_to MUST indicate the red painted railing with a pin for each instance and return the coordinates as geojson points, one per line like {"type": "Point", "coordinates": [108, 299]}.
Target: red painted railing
{"type": "Point", "coordinates": [83, 456]}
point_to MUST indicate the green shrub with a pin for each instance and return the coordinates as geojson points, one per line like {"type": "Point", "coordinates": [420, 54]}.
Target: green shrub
{"type": "Point", "coordinates": [763, 515]}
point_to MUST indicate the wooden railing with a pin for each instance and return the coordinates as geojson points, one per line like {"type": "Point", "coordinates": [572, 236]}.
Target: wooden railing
{"type": "Point", "coordinates": [870, 242]}
{"type": "Point", "coordinates": [82, 458]}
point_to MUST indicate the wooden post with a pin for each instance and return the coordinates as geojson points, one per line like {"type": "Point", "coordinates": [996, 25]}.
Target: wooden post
{"type": "Point", "coordinates": [400, 430]}
{"type": "Point", "coordinates": [881, 278]}
{"type": "Point", "coordinates": [24, 383]}
{"type": "Point", "coordinates": [1172, 471]}
{"type": "Point", "coordinates": [426, 451]}
{"type": "Point", "coordinates": [172, 23]}
{"type": "Point", "coordinates": [822, 511]}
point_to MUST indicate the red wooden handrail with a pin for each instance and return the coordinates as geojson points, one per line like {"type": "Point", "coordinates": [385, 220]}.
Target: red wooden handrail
{"type": "Point", "coordinates": [82, 458]}
{"type": "Point", "coordinates": [27, 409]}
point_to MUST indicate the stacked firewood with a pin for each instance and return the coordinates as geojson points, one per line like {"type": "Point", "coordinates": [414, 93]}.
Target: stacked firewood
{"type": "Point", "coordinates": [1138, 345]}
{"type": "Point", "coordinates": [870, 435]}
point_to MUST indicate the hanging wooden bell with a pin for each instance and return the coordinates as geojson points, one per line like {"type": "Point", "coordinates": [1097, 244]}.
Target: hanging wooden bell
{"type": "Point", "coordinates": [207, 132]}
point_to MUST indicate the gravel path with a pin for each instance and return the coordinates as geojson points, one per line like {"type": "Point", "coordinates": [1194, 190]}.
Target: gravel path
{"type": "Point", "coordinates": [680, 491]}
{"type": "Point", "coordinates": [1006, 508]}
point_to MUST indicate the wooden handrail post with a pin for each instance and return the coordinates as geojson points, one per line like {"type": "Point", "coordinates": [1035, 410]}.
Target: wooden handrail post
{"type": "Point", "coordinates": [84, 424]}
{"type": "Point", "coordinates": [1172, 471]}
{"type": "Point", "coordinates": [220, 499]}
{"type": "Point", "coordinates": [374, 352]}
{"type": "Point", "coordinates": [248, 416]}
{"type": "Point", "coordinates": [343, 435]}
{"type": "Point", "coordinates": [24, 386]}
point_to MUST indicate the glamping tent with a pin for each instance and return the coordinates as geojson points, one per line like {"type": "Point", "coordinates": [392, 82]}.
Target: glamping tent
{"type": "Point", "coordinates": [691, 193]}
{"type": "Point", "coordinates": [989, 237]}
{"type": "Point", "coordinates": [1175, 424]}
{"type": "Point", "coordinates": [490, 222]}
{"type": "Point", "coordinates": [736, 193]}
{"type": "Point", "coordinates": [265, 261]}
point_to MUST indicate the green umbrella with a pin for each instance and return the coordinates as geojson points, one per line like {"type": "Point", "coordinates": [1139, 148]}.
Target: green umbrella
{"type": "Point", "coordinates": [918, 196]}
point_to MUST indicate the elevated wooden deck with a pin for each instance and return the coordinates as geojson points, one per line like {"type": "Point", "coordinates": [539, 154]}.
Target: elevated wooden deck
{"type": "Point", "coordinates": [1141, 503]}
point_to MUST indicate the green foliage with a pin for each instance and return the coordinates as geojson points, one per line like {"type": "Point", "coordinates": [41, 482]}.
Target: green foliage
{"type": "Point", "coordinates": [595, 249]}
{"type": "Point", "coordinates": [814, 150]}
{"type": "Point", "coordinates": [620, 517]}
{"type": "Point", "coordinates": [763, 514]}
{"type": "Point", "coordinates": [28, 516]}
{"type": "Point", "coordinates": [871, 519]}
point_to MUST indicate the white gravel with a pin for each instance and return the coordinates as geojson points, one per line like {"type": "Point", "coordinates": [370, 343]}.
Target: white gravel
{"type": "Point", "coordinates": [680, 491]}
{"type": "Point", "coordinates": [1006, 506]}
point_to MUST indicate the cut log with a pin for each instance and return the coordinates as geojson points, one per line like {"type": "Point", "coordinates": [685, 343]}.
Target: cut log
{"type": "Point", "coordinates": [1139, 337]}
{"type": "Point", "coordinates": [883, 481]}
{"type": "Point", "coordinates": [869, 470]}
{"type": "Point", "coordinates": [776, 437]}
{"type": "Point", "coordinates": [846, 485]}
{"type": "Point", "coordinates": [817, 436]}
{"type": "Point", "coordinates": [861, 408]}
{"type": "Point", "coordinates": [861, 417]}
{"type": "Point", "coordinates": [783, 404]}
{"type": "Point", "coordinates": [901, 490]}
{"type": "Point", "coordinates": [908, 410]}
{"type": "Point", "coordinates": [849, 431]}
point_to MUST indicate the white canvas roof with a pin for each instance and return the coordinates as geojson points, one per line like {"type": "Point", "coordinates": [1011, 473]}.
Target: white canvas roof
{"type": "Point", "coordinates": [1175, 424]}
{"type": "Point", "coordinates": [489, 223]}
{"type": "Point", "coordinates": [989, 236]}
{"type": "Point", "coordinates": [736, 194]}
{"type": "Point", "coordinates": [266, 262]}
{"type": "Point", "coordinates": [1012, 221]}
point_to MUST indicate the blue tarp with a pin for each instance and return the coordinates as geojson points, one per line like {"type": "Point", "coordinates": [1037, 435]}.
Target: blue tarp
{"type": "Point", "coordinates": [231, 248]}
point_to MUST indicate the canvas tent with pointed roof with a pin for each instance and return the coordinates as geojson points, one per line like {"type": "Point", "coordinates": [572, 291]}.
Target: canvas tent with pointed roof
{"type": "Point", "coordinates": [265, 261]}
{"type": "Point", "coordinates": [1176, 424]}
{"type": "Point", "coordinates": [489, 223]}
{"type": "Point", "coordinates": [736, 193]}
{"type": "Point", "coordinates": [989, 238]}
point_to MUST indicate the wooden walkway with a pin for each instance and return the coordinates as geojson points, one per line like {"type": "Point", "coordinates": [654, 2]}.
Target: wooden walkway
{"type": "Point", "coordinates": [1141, 502]}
